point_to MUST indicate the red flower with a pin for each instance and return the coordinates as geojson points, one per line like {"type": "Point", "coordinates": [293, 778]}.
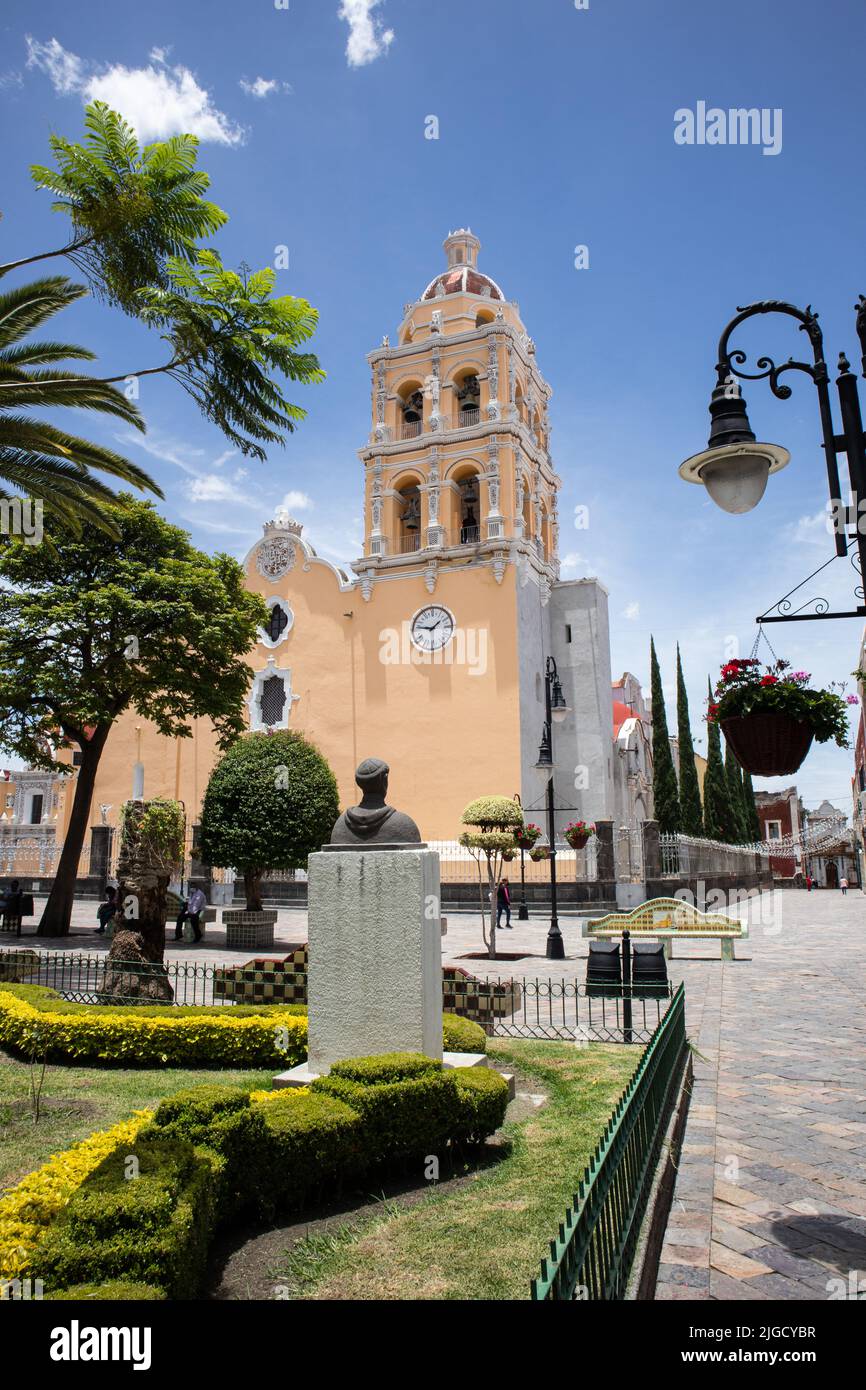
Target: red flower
{"type": "Point", "coordinates": [769, 680]}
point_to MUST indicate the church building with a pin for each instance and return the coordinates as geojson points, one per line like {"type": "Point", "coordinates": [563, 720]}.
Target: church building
{"type": "Point", "coordinates": [430, 651]}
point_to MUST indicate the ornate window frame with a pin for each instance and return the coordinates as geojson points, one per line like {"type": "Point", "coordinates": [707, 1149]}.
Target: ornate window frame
{"type": "Point", "coordinates": [254, 705]}
{"type": "Point", "coordinates": [277, 602]}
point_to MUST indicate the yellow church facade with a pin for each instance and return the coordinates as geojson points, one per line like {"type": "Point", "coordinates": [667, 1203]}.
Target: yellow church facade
{"type": "Point", "coordinates": [430, 650]}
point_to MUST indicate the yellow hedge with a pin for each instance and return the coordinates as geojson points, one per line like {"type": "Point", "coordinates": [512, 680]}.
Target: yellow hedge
{"type": "Point", "coordinates": [27, 1211]}
{"type": "Point", "coordinates": [277, 1038]}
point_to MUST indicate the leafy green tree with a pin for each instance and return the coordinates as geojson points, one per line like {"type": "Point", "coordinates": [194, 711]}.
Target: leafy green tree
{"type": "Point", "coordinates": [716, 816]}
{"type": "Point", "coordinates": [666, 796]}
{"type": "Point", "coordinates": [136, 221]}
{"type": "Point", "coordinates": [751, 809]}
{"type": "Point", "coordinates": [90, 629]}
{"type": "Point", "coordinates": [737, 825]}
{"type": "Point", "coordinates": [691, 811]}
{"type": "Point", "coordinates": [495, 824]}
{"type": "Point", "coordinates": [38, 458]}
{"type": "Point", "coordinates": [130, 210]}
{"type": "Point", "coordinates": [270, 803]}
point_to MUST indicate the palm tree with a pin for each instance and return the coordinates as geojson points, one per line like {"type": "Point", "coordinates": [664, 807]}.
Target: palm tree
{"type": "Point", "coordinates": [38, 459]}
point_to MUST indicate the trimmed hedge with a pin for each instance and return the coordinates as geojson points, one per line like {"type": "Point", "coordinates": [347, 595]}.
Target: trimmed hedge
{"type": "Point", "coordinates": [211, 1152]}
{"type": "Point", "coordinates": [34, 1019]}
{"type": "Point", "coordinates": [387, 1066]}
{"type": "Point", "coordinates": [93, 1034]}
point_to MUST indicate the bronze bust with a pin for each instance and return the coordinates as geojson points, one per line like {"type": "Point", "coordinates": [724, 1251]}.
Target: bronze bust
{"type": "Point", "coordinates": [373, 824]}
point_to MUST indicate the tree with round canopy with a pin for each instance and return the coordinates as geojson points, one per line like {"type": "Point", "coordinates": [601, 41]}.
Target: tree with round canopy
{"type": "Point", "coordinates": [270, 803]}
{"type": "Point", "coordinates": [495, 821]}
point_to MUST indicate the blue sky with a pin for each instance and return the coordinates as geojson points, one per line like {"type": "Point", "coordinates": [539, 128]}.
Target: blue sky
{"type": "Point", "coordinates": [556, 129]}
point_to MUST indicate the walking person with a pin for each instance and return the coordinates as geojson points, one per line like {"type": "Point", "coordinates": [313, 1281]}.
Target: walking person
{"type": "Point", "coordinates": [13, 907]}
{"type": "Point", "coordinates": [107, 910]}
{"type": "Point", "coordinates": [503, 904]}
{"type": "Point", "coordinates": [191, 911]}
{"type": "Point", "coordinates": [843, 884]}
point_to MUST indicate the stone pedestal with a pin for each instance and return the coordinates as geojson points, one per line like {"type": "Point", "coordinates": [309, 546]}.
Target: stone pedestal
{"type": "Point", "coordinates": [375, 954]}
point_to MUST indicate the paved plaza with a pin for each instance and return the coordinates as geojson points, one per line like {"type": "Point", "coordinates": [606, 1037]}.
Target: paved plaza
{"type": "Point", "coordinates": [770, 1199]}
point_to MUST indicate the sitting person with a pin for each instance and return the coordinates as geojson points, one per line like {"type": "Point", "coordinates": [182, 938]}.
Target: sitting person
{"type": "Point", "coordinates": [13, 907]}
{"type": "Point", "coordinates": [107, 910]}
{"type": "Point", "coordinates": [191, 911]}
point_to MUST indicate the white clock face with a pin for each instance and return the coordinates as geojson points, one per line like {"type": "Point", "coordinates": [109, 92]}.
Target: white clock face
{"type": "Point", "coordinates": [432, 628]}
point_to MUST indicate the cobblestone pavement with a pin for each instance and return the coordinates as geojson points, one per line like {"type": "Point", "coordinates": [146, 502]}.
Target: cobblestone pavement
{"type": "Point", "coordinates": [770, 1199]}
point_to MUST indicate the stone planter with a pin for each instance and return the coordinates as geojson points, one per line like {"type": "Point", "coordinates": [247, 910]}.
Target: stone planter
{"type": "Point", "coordinates": [249, 930]}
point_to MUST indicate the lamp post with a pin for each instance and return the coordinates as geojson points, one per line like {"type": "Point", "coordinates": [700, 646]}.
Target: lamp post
{"type": "Point", "coordinates": [735, 468]}
{"type": "Point", "coordinates": [555, 710]}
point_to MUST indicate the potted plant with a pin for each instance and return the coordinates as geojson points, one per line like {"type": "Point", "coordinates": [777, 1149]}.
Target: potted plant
{"type": "Point", "coordinates": [271, 802]}
{"type": "Point", "coordinates": [539, 853]}
{"type": "Point", "coordinates": [770, 716]}
{"type": "Point", "coordinates": [527, 835]}
{"type": "Point", "coordinates": [494, 821]}
{"type": "Point", "coordinates": [578, 833]}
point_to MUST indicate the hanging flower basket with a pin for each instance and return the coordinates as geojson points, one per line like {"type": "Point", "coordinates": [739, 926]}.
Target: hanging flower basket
{"type": "Point", "coordinates": [527, 835]}
{"type": "Point", "coordinates": [769, 745]}
{"type": "Point", "coordinates": [539, 852]}
{"type": "Point", "coordinates": [770, 718]}
{"type": "Point", "coordinates": [578, 834]}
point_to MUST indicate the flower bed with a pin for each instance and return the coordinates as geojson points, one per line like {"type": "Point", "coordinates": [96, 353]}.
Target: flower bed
{"type": "Point", "coordinates": [212, 1152]}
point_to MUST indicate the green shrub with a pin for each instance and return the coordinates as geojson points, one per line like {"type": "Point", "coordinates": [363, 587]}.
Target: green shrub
{"type": "Point", "coordinates": [116, 1290]}
{"type": "Point", "coordinates": [483, 1098]}
{"type": "Point", "coordinates": [313, 1144]}
{"type": "Point", "coordinates": [197, 1105]}
{"type": "Point", "coordinates": [462, 1035]}
{"type": "Point", "coordinates": [402, 1119]}
{"type": "Point", "coordinates": [180, 1182]}
{"type": "Point", "coordinates": [388, 1066]}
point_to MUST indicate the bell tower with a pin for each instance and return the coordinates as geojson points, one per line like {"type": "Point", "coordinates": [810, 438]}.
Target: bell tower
{"type": "Point", "coordinates": [457, 466]}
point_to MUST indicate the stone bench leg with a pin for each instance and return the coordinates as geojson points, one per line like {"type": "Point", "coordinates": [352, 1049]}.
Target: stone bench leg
{"type": "Point", "coordinates": [668, 943]}
{"type": "Point", "coordinates": [727, 948]}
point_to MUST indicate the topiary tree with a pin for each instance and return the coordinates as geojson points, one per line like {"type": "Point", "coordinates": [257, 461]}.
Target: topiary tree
{"type": "Point", "coordinates": [691, 811]}
{"type": "Point", "coordinates": [495, 819]}
{"type": "Point", "coordinates": [270, 803]}
{"type": "Point", "coordinates": [666, 795]}
{"type": "Point", "coordinates": [152, 835]}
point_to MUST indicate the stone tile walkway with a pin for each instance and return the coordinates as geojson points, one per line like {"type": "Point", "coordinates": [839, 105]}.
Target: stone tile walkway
{"type": "Point", "coordinates": [770, 1200]}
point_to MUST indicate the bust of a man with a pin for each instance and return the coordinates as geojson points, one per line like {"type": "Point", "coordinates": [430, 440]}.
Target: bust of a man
{"type": "Point", "coordinates": [373, 822]}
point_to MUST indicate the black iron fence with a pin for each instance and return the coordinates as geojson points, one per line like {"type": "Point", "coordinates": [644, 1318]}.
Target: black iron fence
{"type": "Point", "coordinates": [592, 1255]}
{"type": "Point", "coordinates": [553, 1009]}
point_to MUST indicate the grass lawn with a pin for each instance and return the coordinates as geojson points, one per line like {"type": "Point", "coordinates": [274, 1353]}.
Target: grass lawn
{"type": "Point", "coordinates": [78, 1100]}
{"type": "Point", "coordinates": [483, 1238]}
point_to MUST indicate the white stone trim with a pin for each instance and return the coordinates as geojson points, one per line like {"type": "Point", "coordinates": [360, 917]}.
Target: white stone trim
{"type": "Point", "coordinates": [273, 602]}
{"type": "Point", "coordinates": [254, 699]}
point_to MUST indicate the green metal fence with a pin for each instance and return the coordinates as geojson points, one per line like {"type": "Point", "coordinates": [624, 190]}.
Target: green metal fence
{"type": "Point", "coordinates": [592, 1256]}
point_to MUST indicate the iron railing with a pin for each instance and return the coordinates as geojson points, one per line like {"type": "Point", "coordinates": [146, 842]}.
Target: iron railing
{"type": "Point", "coordinates": [456, 865]}
{"type": "Point", "coordinates": [554, 1010]}
{"type": "Point", "coordinates": [592, 1255]}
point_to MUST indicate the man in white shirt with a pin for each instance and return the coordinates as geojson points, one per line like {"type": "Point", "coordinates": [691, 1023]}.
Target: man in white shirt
{"type": "Point", "coordinates": [191, 910]}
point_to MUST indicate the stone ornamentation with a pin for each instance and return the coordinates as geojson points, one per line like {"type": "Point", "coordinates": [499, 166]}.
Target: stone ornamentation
{"type": "Point", "coordinates": [275, 557]}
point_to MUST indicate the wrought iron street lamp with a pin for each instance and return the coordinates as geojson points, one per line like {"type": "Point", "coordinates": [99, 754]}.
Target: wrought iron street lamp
{"type": "Point", "coordinates": [735, 467]}
{"type": "Point", "coordinates": [555, 709]}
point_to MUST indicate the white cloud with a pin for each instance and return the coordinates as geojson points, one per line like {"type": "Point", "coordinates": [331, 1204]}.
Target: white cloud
{"type": "Point", "coordinates": [632, 612]}
{"type": "Point", "coordinates": [296, 502]}
{"type": "Point", "coordinates": [11, 79]}
{"type": "Point", "coordinates": [263, 86]}
{"type": "Point", "coordinates": [572, 561]}
{"type": "Point", "coordinates": [210, 487]}
{"type": "Point", "coordinates": [367, 39]}
{"type": "Point", "coordinates": [812, 530]}
{"type": "Point", "coordinates": [158, 101]}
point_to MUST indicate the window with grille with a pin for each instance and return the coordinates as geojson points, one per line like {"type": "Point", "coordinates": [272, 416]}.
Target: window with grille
{"type": "Point", "coordinates": [277, 622]}
{"type": "Point", "coordinates": [272, 700]}
{"type": "Point", "coordinates": [36, 809]}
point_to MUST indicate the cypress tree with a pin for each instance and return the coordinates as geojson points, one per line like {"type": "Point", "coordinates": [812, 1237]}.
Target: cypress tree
{"type": "Point", "coordinates": [736, 821]}
{"type": "Point", "coordinates": [691, 812]}
{"type": "Point", "coordinates": [666, 795]}
{"type": "Point", "coordinates": [752, 819]}
{"type": "Point", "coordinates": [715, 785]}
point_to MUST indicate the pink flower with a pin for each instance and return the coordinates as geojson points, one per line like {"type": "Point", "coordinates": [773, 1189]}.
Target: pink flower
{"type": "Point", "coordinates": [852, 700]}
{"type": "Point", "coordinates": [802, 676]}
